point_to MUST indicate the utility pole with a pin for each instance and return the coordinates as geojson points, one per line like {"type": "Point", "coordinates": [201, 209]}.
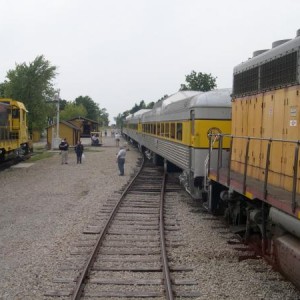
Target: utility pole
{"type": "Point", "coordinates": [56, 99]}
{"type": "Point", "coordinates": [56, 139]}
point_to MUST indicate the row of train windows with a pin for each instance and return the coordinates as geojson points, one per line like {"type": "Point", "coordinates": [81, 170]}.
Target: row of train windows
{"type": "Point", "coordinates": [169, 130]}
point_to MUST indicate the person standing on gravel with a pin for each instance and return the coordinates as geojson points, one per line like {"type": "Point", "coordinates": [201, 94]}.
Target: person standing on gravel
{"type": "Point", "coordinates": [121, 160]}
{"type": "Point", "coordinates": [79, 151]}
{"type": "Point", "coordinates": [64, 147]}
{"type": "Point", "coordinates": [117, 139]}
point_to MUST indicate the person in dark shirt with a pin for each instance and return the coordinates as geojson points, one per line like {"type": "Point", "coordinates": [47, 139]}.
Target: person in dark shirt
{"type": "Point", "coordinates": [64, 147]}
{"type": "Point", "coordinates": [79, 151]}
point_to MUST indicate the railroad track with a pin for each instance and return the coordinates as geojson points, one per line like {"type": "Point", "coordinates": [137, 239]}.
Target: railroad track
{"type": "Point", "coordinates": [9, 163]}
{"type": "Point", "coordinates": [129, 254]}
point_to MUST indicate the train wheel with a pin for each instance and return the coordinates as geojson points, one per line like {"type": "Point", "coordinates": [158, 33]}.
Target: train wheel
{"type": "Point", "coordinates": [215, 204]}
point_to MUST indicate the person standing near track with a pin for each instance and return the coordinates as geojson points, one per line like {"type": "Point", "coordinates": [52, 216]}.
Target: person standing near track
{"type": "Point", "coordinates": [64, 147]}
{"type": "Point", "coordinates": [117, 139]}
{"type": "Point", "coordinates": [121, 160]}
{"type": "Point", "coordinates": [79, 151]}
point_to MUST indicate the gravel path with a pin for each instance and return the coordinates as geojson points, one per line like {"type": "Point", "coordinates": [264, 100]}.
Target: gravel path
{"type": "Point", "coordinates": [45, 207]}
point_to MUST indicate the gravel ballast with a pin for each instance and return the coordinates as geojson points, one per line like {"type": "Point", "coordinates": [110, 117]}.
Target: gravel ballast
{"type": "Point", "coordinates": [45, 207]}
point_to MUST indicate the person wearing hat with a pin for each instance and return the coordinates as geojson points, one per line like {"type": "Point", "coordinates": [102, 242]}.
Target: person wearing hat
{"type": "Point", "coordinates": [121, 160]}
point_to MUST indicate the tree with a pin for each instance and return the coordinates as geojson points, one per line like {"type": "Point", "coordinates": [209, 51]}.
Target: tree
{"type": "Point", "coordinates": [199, 82]}
{"type": "Point", "coordinates": [32, 85]}
{"type": "Point", "coordinates": [71, 110]}
{"type": "Point", "coordinates": [2, 90]}
{"type": "Point", "coordinates": [150, 105]}
{"type": "Point", "coordinates": [103, 118]}
{"type": "Point", "coordinates": [121, 118]}
{"type": "Point", "coordinates": [137, 107]}
{"type": "Point", "coordinates": [92, 108]}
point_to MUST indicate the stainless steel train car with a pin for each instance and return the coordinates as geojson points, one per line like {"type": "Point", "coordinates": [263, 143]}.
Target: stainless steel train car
{"type": "Point", "coordinates": [14, 137]}
{"type": "Point", "coordinates": [176, 132]}
{"type": "Point", "coordinates": [132, 123]}
{"type": "Point", "coordinates": [259, 187]}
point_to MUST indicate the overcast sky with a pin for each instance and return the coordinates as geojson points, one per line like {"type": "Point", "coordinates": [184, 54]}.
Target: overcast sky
{"type": "Point", "coordinates": [119, 52]}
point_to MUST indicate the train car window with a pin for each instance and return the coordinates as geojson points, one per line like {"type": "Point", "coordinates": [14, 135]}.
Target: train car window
{"type": "Point", "coordinates": [179, 131]}
{"type": "Point", "coordinates": [15, 113]}
{"type": "Point", "coordinates": [167, 130]}
{"type": "Point", "coordinates": [154, 129]}
{"type": "Point", "coordinates": [3, 116]}
{"type": "Point", "coordinates": [162, 133]}
{"type": "Point", "coordinates": [158, 129]}
{"type": "Point", "coordinates": [172, 131]}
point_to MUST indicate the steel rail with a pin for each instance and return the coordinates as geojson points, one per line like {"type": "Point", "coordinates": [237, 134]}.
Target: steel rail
{"type": "Point", "coordinates": [165, 265]}
{"type": "Point", "coordinates": [81, 282]}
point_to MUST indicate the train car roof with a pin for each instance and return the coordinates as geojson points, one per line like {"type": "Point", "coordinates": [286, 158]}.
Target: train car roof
{"type": "Point", "coordinates": [286, 47]}
{"type": "Point", "coordinates": [214, 98]}
{"type": "Point", "coordinates": [181, 95]}
{"type": "Point", "coordinates": [137, 114]}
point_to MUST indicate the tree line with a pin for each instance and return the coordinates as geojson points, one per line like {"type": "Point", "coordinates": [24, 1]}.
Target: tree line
{"type": "Point", "coordinates": [32, 84]}
{"type": "Point", "coordinates": [194, 82]}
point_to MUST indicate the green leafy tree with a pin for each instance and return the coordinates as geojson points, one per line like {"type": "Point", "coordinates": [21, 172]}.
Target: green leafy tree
{"type": "Point", "coordinates": [2, 90]}
{"type": "Point", "coordinates": [62, 104]}
{"type": "Point", "coordinates": [32, 84]}
{"type": "Point", "coordinates": [121, 118]}
{"type": "Point", "coordinates": [92, 108]}
{"type": "Point", "coordinates": [103, 117]}
{"type": "Point", "coordinates": [150, 105]}
{"type": "Point", "coordinates": [199, 82]}
{"type": "Point", "coordinates": [71, 110]}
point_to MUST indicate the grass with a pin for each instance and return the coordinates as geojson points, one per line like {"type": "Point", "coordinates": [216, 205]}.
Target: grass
{"type": "Point", "coordinates": [40, 153]}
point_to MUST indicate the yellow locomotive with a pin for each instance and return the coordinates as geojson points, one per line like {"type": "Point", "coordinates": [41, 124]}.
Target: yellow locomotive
{"type": "Point", "coordinates": [259, 186]}
{"type": "Point", "coordinates": [14, 137]}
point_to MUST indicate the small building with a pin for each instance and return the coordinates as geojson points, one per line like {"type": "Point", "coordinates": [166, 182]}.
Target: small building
{"type": "Point", "coordinates": [66, 130]}
{"type": "Point", "coordinates": [86, 125]}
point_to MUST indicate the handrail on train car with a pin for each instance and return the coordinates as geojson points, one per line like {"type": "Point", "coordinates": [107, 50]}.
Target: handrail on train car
{"type": "Point", "coordinates": [246, 161]}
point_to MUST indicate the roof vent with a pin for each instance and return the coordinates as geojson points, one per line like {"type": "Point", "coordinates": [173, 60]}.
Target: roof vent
{"type": "Point", "coordinates": [258, 52]}
{"type": "Point", "coordinates": [298, 33]}
{"type": "Point", "coordinates": [280, 42]}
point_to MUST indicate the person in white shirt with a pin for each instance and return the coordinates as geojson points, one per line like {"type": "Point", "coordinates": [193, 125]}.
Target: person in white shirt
{"type": "Point", "coordinates": [121, 160]}
{"type": "Point", "coordinates": [117, 139]}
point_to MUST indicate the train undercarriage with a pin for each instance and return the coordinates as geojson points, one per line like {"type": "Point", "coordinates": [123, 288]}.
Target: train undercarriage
{"type": "Point", "coordinates": [271, 232]}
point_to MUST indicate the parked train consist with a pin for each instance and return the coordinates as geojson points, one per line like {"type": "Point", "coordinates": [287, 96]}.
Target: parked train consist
{"type": "Point", "coordinates": [14, 137]}
{"type": "Point", "coordinates": [177, 130]}
{"type": "Point", "coordinates": [259, 186]}
{"type": "Point", "coordinates": [248, 145]}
